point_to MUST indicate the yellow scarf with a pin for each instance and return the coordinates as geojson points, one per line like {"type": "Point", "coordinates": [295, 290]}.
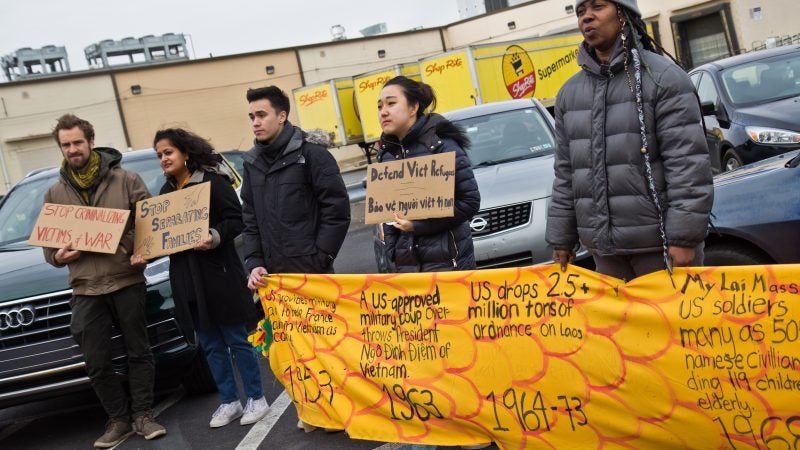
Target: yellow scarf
{"type": "Point", "coordinates": [84, 181]}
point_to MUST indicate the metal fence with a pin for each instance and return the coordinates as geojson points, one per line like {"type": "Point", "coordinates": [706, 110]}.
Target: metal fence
{"type": "Point", "coordinates": [776, 41]}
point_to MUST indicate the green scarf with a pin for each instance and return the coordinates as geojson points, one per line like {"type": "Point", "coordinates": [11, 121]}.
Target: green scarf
{"type": "Point", "coordinates": [86, 180]}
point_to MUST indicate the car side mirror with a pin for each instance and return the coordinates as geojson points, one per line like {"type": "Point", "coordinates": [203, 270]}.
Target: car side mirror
{"type": "Point", "coordinates": [708, 108]}
{"type": "Point", "coordinates": [722, 116]}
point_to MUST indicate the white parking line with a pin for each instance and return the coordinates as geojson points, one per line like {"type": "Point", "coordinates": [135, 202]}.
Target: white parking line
{"type": "Point", "coordinates": [261, 429]}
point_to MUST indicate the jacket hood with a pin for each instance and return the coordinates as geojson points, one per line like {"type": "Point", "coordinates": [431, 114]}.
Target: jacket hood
{"type": "Point", "coordinates": [319, 136]}
{"type": "Point", "coordinates": [197, 176]}
{"type": "Point", "coordinates": [290, 139]}
{"type": "Point", "coordinates": [428, 129]}
{"type": "Point", "coordinates": [221, 169]}
{"type": "Point", "coordinates": [443, 128]}
{"type": "Point", "coordinates": [589, 63]}
{"type": "Point", "coordinates": [109, 158]}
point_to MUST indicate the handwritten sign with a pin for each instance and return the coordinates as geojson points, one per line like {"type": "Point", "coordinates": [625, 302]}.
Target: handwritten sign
{"type": "Point", "coordinates": [86, 228]}
{"type": "Point", "coordinates": [414, 188]}
{"type": "Point", "coordinates": [538, 358]}
{"type": "Point", "coordinates": [173, 222]}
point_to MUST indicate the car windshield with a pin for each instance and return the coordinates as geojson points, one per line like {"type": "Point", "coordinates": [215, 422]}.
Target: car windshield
{"type": "Point", "coordinates": [236, 158]}
{"type": "Point", "coordinates": [507, 136]}
{"type": "Point", "coordinates": [21, 208]}
{"type": "Point", "coordinates": [763, 81]}
{"type": "Point", "coordinates": [150, 171]}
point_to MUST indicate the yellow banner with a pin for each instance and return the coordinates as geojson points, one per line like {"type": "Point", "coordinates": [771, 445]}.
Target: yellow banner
{"type": "Point", "coordinates": [535, 357]}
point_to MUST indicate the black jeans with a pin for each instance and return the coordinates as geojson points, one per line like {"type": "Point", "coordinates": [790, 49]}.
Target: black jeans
{"type": "Point", "coordinates": [92, 318]}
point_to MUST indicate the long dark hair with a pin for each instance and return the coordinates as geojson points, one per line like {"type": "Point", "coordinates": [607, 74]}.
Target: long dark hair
{"type": "Point", "coordinates": [416, 93]}
{"type": "Point", "coordinates": [635, 31]}
{"type": "Point", "coordinates": [201, 153]}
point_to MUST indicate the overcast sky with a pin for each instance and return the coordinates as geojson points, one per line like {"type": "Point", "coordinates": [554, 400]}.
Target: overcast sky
{"type": "Point", "coordinates": [217, 27]}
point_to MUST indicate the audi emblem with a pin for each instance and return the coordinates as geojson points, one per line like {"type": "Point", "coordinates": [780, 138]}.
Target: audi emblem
{"type": "Point", "coordinates": [478, 224]}
{"type": "Point", "coordinates": [17, 317]}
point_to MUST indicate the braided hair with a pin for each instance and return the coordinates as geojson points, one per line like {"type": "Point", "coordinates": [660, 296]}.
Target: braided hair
{"type": "Point", "coordinates": [634, 39]}
{"type": "Point", "coordinates": [636, 32]}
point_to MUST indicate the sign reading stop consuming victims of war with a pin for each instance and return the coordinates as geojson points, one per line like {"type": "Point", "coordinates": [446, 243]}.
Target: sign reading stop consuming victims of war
{"type": "Point", "coordinates": [87, 228]}
{"type": "Point", "coordinates": [173, 222]}
{"type": "Point", "coordinates": [538, 358]}
{"type": "Point", "coordinates": [414, 188]}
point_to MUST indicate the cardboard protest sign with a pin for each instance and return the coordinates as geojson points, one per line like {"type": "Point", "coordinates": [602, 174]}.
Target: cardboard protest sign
{"type": "Point", "coordinates": [414, 188]}
{"type": "Point", "coordinates": [534, 357]}
{"type": "Point", "coordinates": [173, 222]}
{"type": "Point", "coordinates": [86, 228]}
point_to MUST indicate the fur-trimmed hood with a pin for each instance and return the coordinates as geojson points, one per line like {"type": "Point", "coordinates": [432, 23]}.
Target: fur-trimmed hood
{"type": "Point", "coordinates": [429, 130]}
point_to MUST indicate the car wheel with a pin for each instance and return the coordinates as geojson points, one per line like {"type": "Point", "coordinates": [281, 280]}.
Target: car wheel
{"type": "Point", "coordinates": [735, 255]}
{"type": "Point", "coordinates": [731, 160]}
{"type": "Point", "coordinates": [198, 378]}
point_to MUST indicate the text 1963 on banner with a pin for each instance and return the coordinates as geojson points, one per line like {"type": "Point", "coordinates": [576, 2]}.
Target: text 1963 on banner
{"type": "Point", "coordinates": [538, 358]}
{"type": "Point", "coordinates": [173, 222]}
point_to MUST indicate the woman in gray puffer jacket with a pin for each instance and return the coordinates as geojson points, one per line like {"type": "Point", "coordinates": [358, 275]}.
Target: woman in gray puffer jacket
{"type": "Point", "coordinates": [633, 178]}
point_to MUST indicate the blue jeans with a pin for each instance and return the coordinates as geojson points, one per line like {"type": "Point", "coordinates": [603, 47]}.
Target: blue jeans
{"type": "Point", "coordinates": [220, 344]}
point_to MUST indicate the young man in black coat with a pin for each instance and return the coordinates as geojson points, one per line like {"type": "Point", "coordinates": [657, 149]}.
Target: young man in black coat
{"type": "Point", "coordinates": [296, 209]}
{"type": "Point", "coordinates": [295, 204]}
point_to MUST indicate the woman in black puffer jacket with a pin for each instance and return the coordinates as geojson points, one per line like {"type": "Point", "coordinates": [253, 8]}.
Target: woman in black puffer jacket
{"type": "Point", "coordinates": [430, 245]}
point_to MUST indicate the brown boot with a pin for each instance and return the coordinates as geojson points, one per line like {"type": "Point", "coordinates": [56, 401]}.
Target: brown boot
{"type": "Point", "coordinates": [116, 432]}
{"type": "Point", "coordinates": [147, 427]}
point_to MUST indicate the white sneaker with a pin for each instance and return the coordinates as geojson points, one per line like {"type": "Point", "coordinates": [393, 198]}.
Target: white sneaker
{"type": "Point", "coordinates": [307, 427]}
{"type": "Point", "coordinates": [225, 414]}
{"type": "Point", "coordinates": [254, 411]}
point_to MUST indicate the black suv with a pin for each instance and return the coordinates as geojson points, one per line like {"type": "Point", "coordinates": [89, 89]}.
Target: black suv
{"type": "Point", "coordinates": [38, 357]}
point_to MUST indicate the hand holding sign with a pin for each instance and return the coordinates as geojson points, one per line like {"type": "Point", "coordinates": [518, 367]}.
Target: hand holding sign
{"type": "Point", "coordinates": [205, 244]}
{"type": "Point", "coordinates": [403, 225]}
{"type": "Point", "coordinates": [66, 255]}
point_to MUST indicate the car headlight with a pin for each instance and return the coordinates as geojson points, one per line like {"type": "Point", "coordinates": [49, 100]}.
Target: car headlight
{"type": "Point", "coordinates": [772, 136]}
{"type": "Point", "coordinates": [157, 271]}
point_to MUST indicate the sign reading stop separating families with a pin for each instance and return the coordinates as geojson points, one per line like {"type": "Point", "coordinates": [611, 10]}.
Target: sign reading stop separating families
{"type": "Point", "coordinates": [414, 188]}
{"type": "Point", "coordinates": [87, 228]}
{"type": "Point", "coordinates": [173, 222]}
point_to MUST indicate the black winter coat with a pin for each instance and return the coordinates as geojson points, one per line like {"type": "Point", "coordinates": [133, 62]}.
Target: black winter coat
{"type": "Point", "coordinates": [210, 287]}
{"type": "Point", "coordinates": [440, 244]}
{"type": "Point", "coordinates": [296, 209]}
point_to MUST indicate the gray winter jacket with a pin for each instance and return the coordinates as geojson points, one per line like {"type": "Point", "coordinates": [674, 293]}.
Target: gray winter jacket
{"type": "Point", "coordinates": [600, 193]}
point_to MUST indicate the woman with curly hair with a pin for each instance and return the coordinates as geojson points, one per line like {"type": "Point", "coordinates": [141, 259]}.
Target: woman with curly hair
{"type": "Point", "coordinates": [208, 281]}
